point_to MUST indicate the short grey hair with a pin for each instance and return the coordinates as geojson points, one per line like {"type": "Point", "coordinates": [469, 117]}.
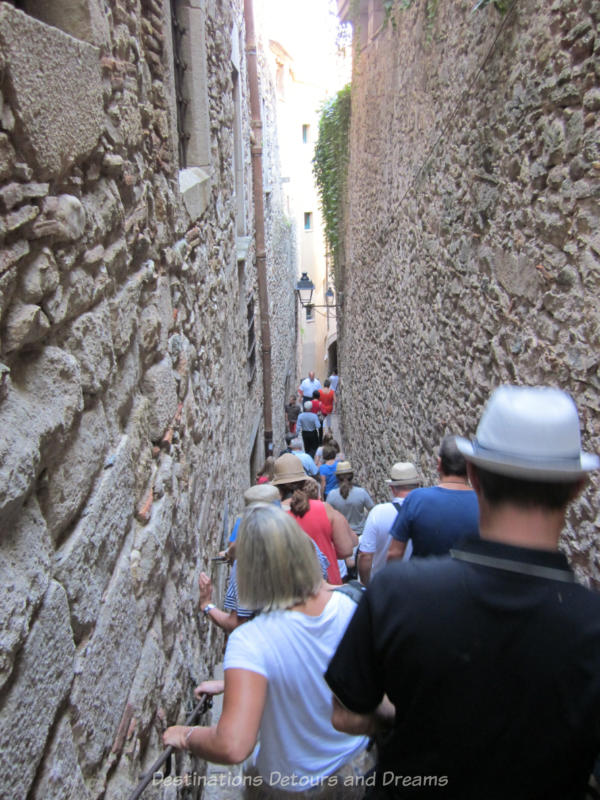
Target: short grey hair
{"type": "Point", "coordinates": [308, 405]}
{"type": "Point", "coordinates": [277, 566]}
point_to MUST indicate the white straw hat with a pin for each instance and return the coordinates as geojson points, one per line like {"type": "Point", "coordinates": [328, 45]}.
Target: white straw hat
{"type": "Point", "coordinates": [403, 473]}
{"type": "Point", "coordinates": [530, 432]}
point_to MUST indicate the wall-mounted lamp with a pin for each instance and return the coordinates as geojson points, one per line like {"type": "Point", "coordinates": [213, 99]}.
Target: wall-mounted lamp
{"type": "Point", "coordinates": [305, 288]}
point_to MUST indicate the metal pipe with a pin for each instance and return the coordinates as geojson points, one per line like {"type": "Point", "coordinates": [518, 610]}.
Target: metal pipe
{"type": "Point", "coordinates": [259, 223]}
{"type": "Point", "coordinates": [200, 709]}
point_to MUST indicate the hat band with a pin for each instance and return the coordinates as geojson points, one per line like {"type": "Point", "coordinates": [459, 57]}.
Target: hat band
{"type": "Point", "coordinates": [539, 460]}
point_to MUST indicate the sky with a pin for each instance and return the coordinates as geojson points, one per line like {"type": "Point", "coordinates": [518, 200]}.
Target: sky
{"type": "Point", "coordinates": [307, 30]}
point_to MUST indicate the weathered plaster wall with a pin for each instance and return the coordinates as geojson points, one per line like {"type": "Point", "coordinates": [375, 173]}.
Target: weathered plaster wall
{"type": "Point", "coordinates": [128, 422]}
{"type": "Point", "coordinates": [477, 261]}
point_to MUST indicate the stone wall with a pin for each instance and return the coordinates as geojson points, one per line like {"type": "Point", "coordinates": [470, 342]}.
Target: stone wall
{"type": "Point", "coordinates": [129, 421]}
{"type": "Point", "coordinates": [472, 230]}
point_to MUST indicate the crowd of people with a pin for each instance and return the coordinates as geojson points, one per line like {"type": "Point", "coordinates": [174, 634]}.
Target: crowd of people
{"type": "Point", "coordinates": [462, 661]}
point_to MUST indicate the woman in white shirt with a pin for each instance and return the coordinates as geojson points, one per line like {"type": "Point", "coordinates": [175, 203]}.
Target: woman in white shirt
{"type": "Point", "coordinates": [274, 668]}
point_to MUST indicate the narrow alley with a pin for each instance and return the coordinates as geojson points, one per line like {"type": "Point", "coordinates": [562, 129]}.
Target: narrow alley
{"type": "Point", "coordinates": [201, 203]}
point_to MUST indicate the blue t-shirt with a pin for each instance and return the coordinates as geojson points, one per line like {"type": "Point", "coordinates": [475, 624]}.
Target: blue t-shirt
{"type": "Point", "coordinates": [435, 519]}
{"type": "Point", "coordinates": [331, 481]}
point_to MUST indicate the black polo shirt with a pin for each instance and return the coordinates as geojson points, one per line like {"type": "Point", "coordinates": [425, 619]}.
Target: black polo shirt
{"type": "Point", "coordinates": [492, 660]}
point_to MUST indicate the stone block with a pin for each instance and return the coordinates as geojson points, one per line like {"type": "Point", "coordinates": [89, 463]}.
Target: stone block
{"type": "Point", "coordinates": [41, 405]}
{"type": "Point", "coordinates": [16, 193]}
{"type": "Point", "coordinates": [89, 339]}
{"type": "Point", "coordinates": [103, 208]}
{"type": "Point", "coordinates": [13, 253]}
{"type": "Point", "coordinates": [120, 393]}
{"type": "Point", "coordinates": [124, 313]}
{"type": "Point", "coordinates": [144, 696]}
{"type": "Point", "coordinates": [159, 386]}
{"type": "Point", "coordinates": [59, 776]}
{"type": "Point", "coordinates": [40, 278]}
{"type": "Point", "coordinates": [7, 157]}
{"type": "Point", "coordinates": [24, 324]}
{"type": "Point", "coordinates": [42, 679]}
{"type": "Point", "coordinates": [149, 569]}
{"type": "Point", "coordinates": [70, 482]}
{"type": "Point", "coordinates": [60, 117]}
{"type": "Point", "coordinates": [194, 185]}
{"type": "Point", "coordinates": [85, 562]}
{"type": "Point", "coordinates": [73, 296]}
{"type": "Point", "coordinates": [104, 675]}
{"type": "Point", "coordinates": [63, 218]}
{"type": "Point", "coordinates": [25, 562]}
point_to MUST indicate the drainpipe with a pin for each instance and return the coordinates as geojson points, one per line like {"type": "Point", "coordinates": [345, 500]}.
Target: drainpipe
{"type": "Point", "coordinates": [259, 223]}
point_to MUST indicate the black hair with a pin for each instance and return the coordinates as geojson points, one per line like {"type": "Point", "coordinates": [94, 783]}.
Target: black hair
{"type": "Point", "coordinates": [452, 460]}
{"type": "Point", "coordinates": [550, 495]}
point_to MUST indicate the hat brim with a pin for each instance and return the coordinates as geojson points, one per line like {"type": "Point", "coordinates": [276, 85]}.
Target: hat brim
{"type": "Point", "coordinates": [293, 478]}
{"type": "Point", "coordinates": [562, 470]}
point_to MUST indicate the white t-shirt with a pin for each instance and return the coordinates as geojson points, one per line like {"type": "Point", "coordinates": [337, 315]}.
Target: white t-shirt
{"type": "Point", "coordinates": [292, 650]}
{"type": "Point", "coordinates": [307, 387]}
{"type": "Point", "coordinates": [376, 534]}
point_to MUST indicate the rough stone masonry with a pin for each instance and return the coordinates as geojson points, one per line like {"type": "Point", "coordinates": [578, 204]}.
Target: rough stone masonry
{"type": "Point", "coordinates": [472, 229]}
{"type": "Point", "coordinates": [130, 388]}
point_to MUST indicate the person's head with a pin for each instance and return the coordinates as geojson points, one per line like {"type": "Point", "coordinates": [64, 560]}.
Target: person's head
{"type": "Point", "coordinates": [327, 436]}
{"type": "Point", "coordinates": [329, 452]}
{"type": "Point", "coordinates": [345, 476]}
{"type": "Point", "coordinates": [403, 478]}
{"type": "Point", "coordinates": [311, 376]}
{"type": "Point", "coordinates": [289, 478]}
{"type": "Point", "coordinates": [296, 443]}
{"type": "Point", "coordinates": [262, 493]}
{"type": "Point", "coordinates": [327, 383]}
{"type": "Point", "coordinates": [450, 460]}
{"type": "Point", "coordinates": [527, 449]}
{"type": "Point", "coordinates": [267, 468]}
{"type": "Point", "coordinates": [277, 566]}
{"type": "Point", "coordinates": [292, 400]}
{"type": "Point", "coordinates": [316, 394]}
{"type": "Point", "coordinates": [308, 405]}
{"type": "Point", "coordinates": [311, 489]}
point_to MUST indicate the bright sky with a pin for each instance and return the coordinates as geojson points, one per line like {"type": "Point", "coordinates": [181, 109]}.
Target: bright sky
{"type": "Point", "coordinates": [307, 30]}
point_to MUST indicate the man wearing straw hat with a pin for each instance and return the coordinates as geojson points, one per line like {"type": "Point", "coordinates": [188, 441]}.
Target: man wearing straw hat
{"type": "Point", "coordinates": [376, 537]}
{"type": "Point", "coordinates": [491, 656]}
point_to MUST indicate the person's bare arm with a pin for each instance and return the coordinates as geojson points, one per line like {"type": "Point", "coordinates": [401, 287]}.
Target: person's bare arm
{"type": "Point", "coordinates": [234, 736]}
{"type": "Point", "coordinates": [344, 538]}
{"type": "Point", "coordinates": [348, 721]}
{"type": "Point", "coordinates": [227, 620]}
{"type": "Point", "coordinates": [396, 550]}
{"type": "Point", "coordinates": [364, 564]}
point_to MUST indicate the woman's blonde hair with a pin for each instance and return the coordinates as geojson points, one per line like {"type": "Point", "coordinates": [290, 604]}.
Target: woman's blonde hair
{"type": "Point", "coordinates": [277, 565]}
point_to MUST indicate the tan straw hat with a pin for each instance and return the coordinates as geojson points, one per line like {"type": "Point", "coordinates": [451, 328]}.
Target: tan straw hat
{"type": "Point", "coordinates": [403, 473]}
{"type": "Point", "coordinates": [288, 469]}
{"type": "Point", "coordinates": [343, 468]}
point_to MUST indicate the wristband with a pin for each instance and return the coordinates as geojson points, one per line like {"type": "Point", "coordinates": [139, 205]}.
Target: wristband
{"type": "Point", "coordinates": [207, 608]}
{"type": "Point", "coordinates": [186, 739]}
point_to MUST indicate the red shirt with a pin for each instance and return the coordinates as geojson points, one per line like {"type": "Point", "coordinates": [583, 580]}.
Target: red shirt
{"type": "Point", "coordinates": [327, 398]}
{"type": "Point", "coordinates": [317, 525]}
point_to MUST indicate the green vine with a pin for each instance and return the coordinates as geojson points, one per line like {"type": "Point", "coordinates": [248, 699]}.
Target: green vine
{"type": "Point", "coordinates": [330, 168]}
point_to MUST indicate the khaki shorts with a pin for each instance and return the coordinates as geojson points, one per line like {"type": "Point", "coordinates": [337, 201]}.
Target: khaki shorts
{"type": "Point", "coordinates": [345, 784]}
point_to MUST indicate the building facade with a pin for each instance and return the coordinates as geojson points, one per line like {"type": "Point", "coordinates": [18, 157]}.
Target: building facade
{"type": "Point", "coordinates": [131, 393]}
{"type": "Point", "coordinates": [472, 229]}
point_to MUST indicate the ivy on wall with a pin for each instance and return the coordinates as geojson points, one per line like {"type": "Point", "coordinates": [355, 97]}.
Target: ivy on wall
{"type": "Point", "coordinates": [330, 168]}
